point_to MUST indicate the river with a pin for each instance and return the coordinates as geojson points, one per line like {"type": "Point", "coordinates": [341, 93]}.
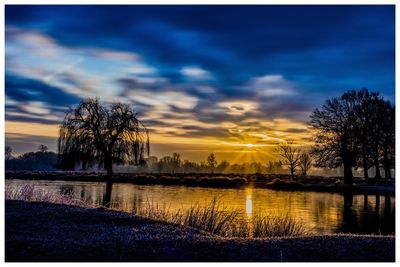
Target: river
{"type": "Point", "coordinates": [321, 213]}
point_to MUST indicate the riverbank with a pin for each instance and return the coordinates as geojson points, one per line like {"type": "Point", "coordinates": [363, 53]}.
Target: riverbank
{"type": "Point", "coordinates": [36, 231]}
{"type": "Point", "coordinates": [270, 181]}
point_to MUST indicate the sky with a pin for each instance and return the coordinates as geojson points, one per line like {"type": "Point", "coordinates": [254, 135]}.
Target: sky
{"type": "Point", "coordinates": [232, 80]}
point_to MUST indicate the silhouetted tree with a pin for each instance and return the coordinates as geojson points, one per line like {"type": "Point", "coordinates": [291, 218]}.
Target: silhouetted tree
{"type": "Point", "coordinates": [93, 132]}
{"type": "Point", "coordinates": [364, 111]}
{"type": "Point", "coordinates": [377, 121]}
{"type": "Point", "coordinates": [374, 130]}
{"type": "Point", "coordinates": [189, 166]}
{"type": "Point", "coordinates": [305, 163]}
{"type": "Point", "coordinates": [33, 161]}
{"type": "Point", "coordinates": [170, 164]}
{"type": "Point", "coordinates": [222, 166]}
{"type": "Point", "coordinates": [291, 155]}
{"type": "Point", "coordinates": [254, 167]}
{"type": "Point", "coordinates": [176, 162]}
{"type": "Point", "coordinates": [335, 142]}
{"type": "Point", "coordinates": [8, 152]}
{"type": "Point", "coordinates": [274, 167]}
{"type": "Point", "coordinates": [42, 148]}
{"type": "Point", "coordinates": [388, 139]}
{"type": "Point", "coordinates": [211, 162]}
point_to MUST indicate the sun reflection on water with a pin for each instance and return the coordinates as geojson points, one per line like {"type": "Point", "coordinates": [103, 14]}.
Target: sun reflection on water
{"type": "Point", "coordinates": [249, 202]}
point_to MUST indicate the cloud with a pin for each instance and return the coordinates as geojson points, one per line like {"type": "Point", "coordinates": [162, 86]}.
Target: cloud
{"type": "Point", "coordinates": [141, 70]}
{"type": "Point", "coordinates": [163, 99]}
{"type": "Point", "coordinates": [272, 86]}
{"type": "Point", "coordinates": [195, 73]}
{"type": "Point", "coordinates": [81, 71]}
{"type": "Point", "coordinates": [239, 107]}
{"type": "Point", "coordinates": [205, 89]}
{"type": "Point", "coordinates": [113, 55]}
{"type": "Point", "coordinates": [23, 90]}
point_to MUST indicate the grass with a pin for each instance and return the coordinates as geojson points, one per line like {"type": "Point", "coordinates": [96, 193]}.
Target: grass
{"type": "Point", "coordinates": [27, 193]}
{"type": "Point", "coordinates": [212, 217]}
{"type": "Point", "coordinates": [266, 225]}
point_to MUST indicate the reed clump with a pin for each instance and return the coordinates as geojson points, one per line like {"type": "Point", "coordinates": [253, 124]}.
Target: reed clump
{"type": "Point", "coordinates": [214, 218]}
{"type": "Point", "coordinates": [27, 193]}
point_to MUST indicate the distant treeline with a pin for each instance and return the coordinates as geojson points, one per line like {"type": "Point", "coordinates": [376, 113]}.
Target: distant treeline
{"type": "Point", "coordinates": [174, 164]}
{"type": "Point", "coordinates": [33, 161]}
{"type": "Point", "coordinates": [43, 160]}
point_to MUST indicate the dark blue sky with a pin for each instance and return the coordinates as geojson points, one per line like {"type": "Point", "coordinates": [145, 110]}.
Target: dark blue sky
{"type": "Point", "coordinates": [215, 64]}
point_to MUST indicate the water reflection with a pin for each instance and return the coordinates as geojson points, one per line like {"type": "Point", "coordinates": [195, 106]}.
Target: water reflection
{"type": "Point", "coordinates": [107, 195]}
{"type": "Point", "coordinates": [322, 213]}
{"type": "Point", "coordinates": [371, 219]}
{"type": "Point", "coordinates": [249, 202]}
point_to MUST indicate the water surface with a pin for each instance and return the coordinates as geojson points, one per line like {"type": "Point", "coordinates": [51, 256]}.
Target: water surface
{"type": "Point", "coordinates": [321, 213]}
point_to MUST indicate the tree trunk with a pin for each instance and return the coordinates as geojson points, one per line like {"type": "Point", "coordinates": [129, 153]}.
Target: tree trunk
{"type": "Point", "coordinates": [365, 167]}
{"type": "Point", "coordinates": [377, 167]}
{"type": "Point", "coordinates": [386, 164]}
{"type": "Point", "coordinates": [348, 174]}
{"type": "Point", "coordinates": [108, 165]}
{"type": "Point", "coordinates": [107, 195]}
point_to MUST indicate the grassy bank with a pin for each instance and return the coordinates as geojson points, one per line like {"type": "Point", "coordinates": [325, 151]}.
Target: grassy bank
{"type": "Point", "coordinates": [36, 231]}
{"type": "Point", "coordinates": [271, 181]}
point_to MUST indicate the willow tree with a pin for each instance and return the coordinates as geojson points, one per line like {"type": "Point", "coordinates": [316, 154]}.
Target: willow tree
{"type": "Point", "coordinates": [96, 133]}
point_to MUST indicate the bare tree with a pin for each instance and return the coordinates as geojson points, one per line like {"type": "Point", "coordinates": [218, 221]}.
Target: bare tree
{"type": "Point", "coordinates": [364, 111]}
{"type": "Point", "coordinates": [305, 163]}
{"type": "Point", "coordinates": [211, 162]}
{"type": "Point", "coordinates": [291, 155]}
{"type": "Point", "coordinates": [8, 152]}
{"type": "Point", "coordinates": [96, 133]}
{"type": "Point", "coordinates": [388, 142]}
{"type": "Point", "coordinates": [335, 142]}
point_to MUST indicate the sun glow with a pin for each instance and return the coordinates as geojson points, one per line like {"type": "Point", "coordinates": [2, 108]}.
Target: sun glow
{"type": "Point", "coordinates": [249, 145]}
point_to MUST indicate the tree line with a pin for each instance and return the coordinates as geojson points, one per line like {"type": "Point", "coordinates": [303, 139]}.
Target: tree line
{"type": "Point", "coordinates": [40, 160]}
{"type": "Point", "coordinates": [355, 130]}
{"type": "Point", "coordinates": [174, 164]}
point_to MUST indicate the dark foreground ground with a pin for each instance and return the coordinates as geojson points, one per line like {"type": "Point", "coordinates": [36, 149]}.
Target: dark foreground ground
{"type": "Point", "coordinates": [52, 232]}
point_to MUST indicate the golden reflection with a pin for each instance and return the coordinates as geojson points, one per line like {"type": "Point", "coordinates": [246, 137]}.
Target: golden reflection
{"type": "Point", "coordinates": [249, 202]}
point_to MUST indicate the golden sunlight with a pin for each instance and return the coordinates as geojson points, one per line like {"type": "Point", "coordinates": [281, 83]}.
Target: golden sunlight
{"type": "Point", "coordinates": [249, 202]}
{"type": "Point", "coordinates": [249, 145]}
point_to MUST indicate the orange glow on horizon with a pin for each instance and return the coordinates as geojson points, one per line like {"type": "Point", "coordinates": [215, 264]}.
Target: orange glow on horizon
{"type": "Point", "coordinates": [255, 146]}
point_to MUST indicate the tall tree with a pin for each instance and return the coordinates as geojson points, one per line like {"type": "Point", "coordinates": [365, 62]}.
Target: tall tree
{"type": "Point", "coordinates": [377, 121]}
{"type": "Point", "coordinates": [364, 111]}
{"type": "Point", "coordinates": [93, 132]}
{"type": "Point", "coordinates": [211, 162]}
{"type": "Point", "coordinates": [176, 162]}
{"type": "Point", "coordinates": [305, 163]}
{"type": "Point", "coordinates": [388, 138]}
{"type": "Point", "coordinates": [335, 143]}
{"type": "Point", "coordinates": [291, 155]}
{"type": "Point", "coordinates": [223, 166]}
